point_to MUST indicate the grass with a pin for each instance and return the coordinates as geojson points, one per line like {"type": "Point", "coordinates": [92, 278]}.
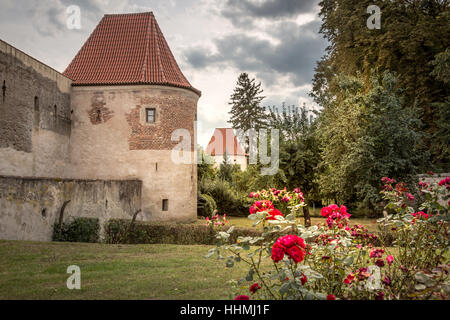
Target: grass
{"type": "Point", "coordinates": [37, 270]}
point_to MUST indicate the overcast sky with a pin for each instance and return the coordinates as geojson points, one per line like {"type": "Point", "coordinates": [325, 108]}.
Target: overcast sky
{"type": "Point", "coordinates": [213, 41]}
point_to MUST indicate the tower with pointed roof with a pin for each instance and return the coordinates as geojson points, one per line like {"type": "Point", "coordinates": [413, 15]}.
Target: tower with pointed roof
{"type": "Point", "coordinates": [128, 98]}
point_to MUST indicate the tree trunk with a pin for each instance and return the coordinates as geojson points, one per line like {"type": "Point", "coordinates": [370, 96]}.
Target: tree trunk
{"type": "Point", "coordinates": [61, 217]}
{"type": "Point", "coordinates": [307, 216]}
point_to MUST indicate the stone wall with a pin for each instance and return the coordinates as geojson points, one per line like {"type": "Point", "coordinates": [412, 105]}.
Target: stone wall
{"type": "Point", "coordinates": [30, 206]}
{"type": "Point", "coordinates": [110, 139]}
{"type": "Point", "coordinates": [35, 116]}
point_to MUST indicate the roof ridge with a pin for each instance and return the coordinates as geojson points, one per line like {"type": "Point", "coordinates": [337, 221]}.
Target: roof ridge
{"type": "Point", "coordinates": [147, 51]}
{"type": "Point", "coordinates": [130, 13]}
{"type": "Point", "coordinates": [158, 51]}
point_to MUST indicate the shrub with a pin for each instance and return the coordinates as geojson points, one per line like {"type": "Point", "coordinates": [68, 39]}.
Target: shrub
{"type": "Point", "coordinates": [227, 199]}
{"type": "Point", "coordinates": [77, 230]}
{"type": "Point", "coordinates": [119, 231]}
{"type": "Point", "coordinates": [205, 205]}
{"type": "Point", "coordinates": [335, 261]}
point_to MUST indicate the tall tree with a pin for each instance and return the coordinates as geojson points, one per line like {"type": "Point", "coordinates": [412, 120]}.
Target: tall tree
{"type": "Point", "coordinates": [299, 151]}
{"type": "Point", "coordinates": [366, 135]}
{"type": "Point", "coordinates": [246, 111]}
{"type": "Point", "coordinates": [411, 36]}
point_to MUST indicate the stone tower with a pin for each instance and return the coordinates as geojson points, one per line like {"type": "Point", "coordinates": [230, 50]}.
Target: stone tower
{"type": "Point", "coordinates": [128, 96]}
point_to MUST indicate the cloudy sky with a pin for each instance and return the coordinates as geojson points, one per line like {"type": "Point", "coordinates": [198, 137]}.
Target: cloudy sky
{"type": "Point", "coordinates": [213, 41]}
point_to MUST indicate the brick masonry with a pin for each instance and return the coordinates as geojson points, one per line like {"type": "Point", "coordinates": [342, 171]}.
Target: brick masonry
{"type": "Point", "coordinates": [173, 112]}
{"type": "Point", "coordinates": [99, 112]}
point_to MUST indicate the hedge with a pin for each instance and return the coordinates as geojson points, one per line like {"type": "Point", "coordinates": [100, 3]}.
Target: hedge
{"type": "Point", "coordinates": [77, 230]}
{"type": "Point", "coordinates": [119, 231]}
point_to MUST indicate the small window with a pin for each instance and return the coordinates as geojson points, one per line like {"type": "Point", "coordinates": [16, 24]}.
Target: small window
{"type": "Point", "coordinates": [150, 115]}
{"type": "Point", "coordinates": [165, 205]}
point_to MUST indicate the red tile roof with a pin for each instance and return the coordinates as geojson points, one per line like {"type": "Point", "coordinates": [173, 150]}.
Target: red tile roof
{"type": "Point", "coordinates": [224, 139]}
{"type": "Point", "coordinates": [127, 49]}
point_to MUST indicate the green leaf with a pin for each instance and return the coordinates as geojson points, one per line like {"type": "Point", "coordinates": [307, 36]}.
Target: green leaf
{"type": "Point", "coordinates": [256, 223]}
{"type": "Point", "coordinates": [250, 274]}
{"type": "Point", "coordinates": [348, 261]}
{"type": "Point", "coordinates": [285, 287]}
{"type": "Point", "coordinates": [420, 287]}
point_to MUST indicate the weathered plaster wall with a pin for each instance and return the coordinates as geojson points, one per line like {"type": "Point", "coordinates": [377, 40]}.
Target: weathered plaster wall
{"type": "Point", "coordinates": [30, 206]}
{"type": "Point", "coordinates": [111, 140]}
{"type": "Point", "coordinates": [34, 116]}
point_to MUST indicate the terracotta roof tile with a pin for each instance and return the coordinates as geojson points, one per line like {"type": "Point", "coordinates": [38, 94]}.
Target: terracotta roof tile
{"type": "Point", "coordinates": [127, 49]}
{"type": "Point", "coordinates": [224, 139]}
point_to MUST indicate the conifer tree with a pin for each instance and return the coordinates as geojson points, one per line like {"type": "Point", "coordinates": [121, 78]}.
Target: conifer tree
{"type": "Point", "coordinates": [246, 111]}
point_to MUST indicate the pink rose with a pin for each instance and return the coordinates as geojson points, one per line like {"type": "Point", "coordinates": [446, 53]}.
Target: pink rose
{"type": "Point", "coordinates": [389, 259]}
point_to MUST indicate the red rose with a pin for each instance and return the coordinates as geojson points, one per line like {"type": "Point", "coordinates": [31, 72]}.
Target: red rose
{"type": "Point", "coordinates": [254, 287]}
{"type": "Point", "coordinates": [331, 297]}
{"type": "Point", "coordinates": [296, 254]}
{"type": "Point", "coordinates": [349, 278]}
{"type": "Point", "coordinates": [304, 280]}
{"type": "Point", "coordinates": [291, 245]}
{"type": "Point", "coordinates": [242, 297]}
{"type": "Point", "coordinates": [273, 213]}
{"type": "Point", "coordinates": [288, 241]}
{"type": "Point", "coordinates": [277, 252]}
{"type": "Point", "coordinates": [380, 296]}
{"type": "Point", "coordinates": [379, 263]}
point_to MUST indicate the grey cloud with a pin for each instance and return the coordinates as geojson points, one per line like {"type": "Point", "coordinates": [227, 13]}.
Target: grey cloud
{"type": "Point", "coordinates": [296, 54]}
{"type": "Point", "coordinates": [49, 17]}
{"type": "Point", "coordinates": [243, 12]}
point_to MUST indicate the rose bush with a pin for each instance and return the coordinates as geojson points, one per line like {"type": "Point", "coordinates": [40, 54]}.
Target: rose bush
{"type": "Point", "coordinates": [338, 261]}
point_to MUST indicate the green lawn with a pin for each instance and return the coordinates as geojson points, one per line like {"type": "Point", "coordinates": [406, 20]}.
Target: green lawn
{"type": "Point", "coordinates": [36, 270]}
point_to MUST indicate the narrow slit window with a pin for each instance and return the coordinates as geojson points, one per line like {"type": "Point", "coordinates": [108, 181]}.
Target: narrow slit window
{"type": "Point", "coordinates": [55, 111]}
{"type": "Point", "coordinates": [36, 112]}
{"type": "Point", "coordinates": [165, 205]}
{"type": "Point", "coordinates": [150, 115]}
{"type": "Point", "coordinates": [4, 90]}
